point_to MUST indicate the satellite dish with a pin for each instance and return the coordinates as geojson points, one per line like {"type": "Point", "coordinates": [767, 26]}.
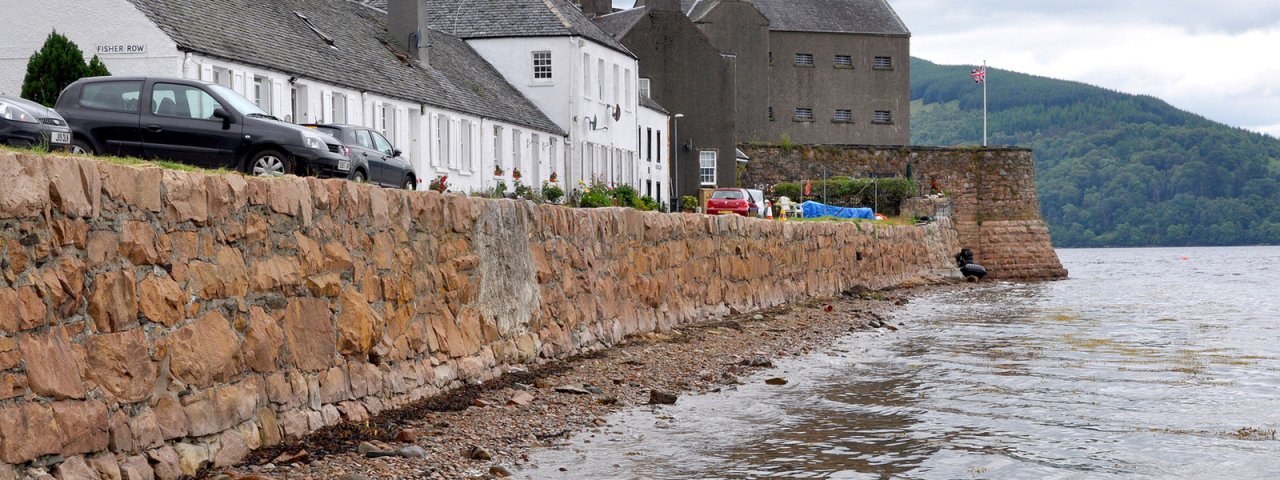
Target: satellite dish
{"type": "Point", "coordinates": [617, 112]}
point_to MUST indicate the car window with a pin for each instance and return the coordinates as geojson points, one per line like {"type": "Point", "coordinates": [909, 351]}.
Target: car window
{"type": "Point", "coordinates": [363, 140]}
{"type": "Point", "coordinates": [380, 143]}
{"type": "Point", "coordinates": [727, 195]}
{"type": "Point", "coordinates": [332, 131]}
{"type": "Point", "coordinates": [120, 96]}
{"type": "Point", "coordinates": [182, 101]}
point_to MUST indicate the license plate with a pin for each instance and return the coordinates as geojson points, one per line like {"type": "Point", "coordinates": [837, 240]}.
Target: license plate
{"type": "Point", "coordinates": [61, 137]}
{"type": "Point", "coordinates": [344, 165]}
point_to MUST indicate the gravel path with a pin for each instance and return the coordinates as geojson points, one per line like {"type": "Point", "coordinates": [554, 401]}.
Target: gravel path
{"type": "Point", "coordinates": [485, 431]}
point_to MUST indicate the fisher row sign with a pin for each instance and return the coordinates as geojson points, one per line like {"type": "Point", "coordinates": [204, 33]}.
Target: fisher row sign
{"type": "Point", "coordinates": [121, 49]}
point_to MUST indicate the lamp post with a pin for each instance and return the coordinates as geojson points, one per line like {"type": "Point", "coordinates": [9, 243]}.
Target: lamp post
{"type": "Point", "coordinates": [675, 162]}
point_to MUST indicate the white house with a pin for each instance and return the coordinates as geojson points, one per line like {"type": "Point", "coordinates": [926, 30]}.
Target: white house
{"type": "Point", "coordinates": [654, 148]}
{"type": "Point", "coordinates": [321, 61]}
{"type": "Point", "coordinates": [580, 77]}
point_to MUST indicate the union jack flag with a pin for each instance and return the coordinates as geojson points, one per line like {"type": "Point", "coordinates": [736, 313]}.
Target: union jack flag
{"type": "Point", "coordinates": [979, 74]}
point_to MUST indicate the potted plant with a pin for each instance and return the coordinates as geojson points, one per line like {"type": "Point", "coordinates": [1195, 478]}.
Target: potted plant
{"type": "Point", "coordinates": [440, 184]}
{"type": "Point", "coordinates": [497, 171]}
{"type": "Point", "coordinates": [554, 178]}
{"type": "Point", "coordinates": [515, 173]}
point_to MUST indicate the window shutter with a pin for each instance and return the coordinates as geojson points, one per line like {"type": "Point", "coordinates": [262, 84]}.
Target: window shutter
{"type": "Point", "coordinates": [353, 111]}
{"type": "Point", "coordinates": [279, 99]}
{"type": "Point", "coordinates": [206, 72]}
{"type": "Point", "coordinates": [433, 133]}
{"type": "Point", "coordinates": [326, 107]}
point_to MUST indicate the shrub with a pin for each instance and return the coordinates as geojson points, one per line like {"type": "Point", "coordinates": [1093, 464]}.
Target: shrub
{"type": "Point", "coordinates": [647, 203]}
{"type": "Point", "coordinates": [689, 203]}
{"type": "Point", "coordinates": [440, 184]}
{"type": "Point", "coordinates": [523, 191]}
{"type": "Point", "coordinates": [552, 192]}
{"type": "Point", "coordinates": [58, 63]}
{"type": "Point", "coordinates": [626, 195]}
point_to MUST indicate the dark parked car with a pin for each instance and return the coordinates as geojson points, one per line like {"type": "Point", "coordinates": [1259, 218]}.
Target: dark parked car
{"type": "Point", "coordinates": [24, 123]}
{"type": "Point", "coordinates": [373, 158]}
{"type": "Point", "coordinates": [195, 123]}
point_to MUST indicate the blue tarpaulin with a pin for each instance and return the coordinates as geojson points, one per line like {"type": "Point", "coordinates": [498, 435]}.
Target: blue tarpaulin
{"type": "Point", "coordinates": [814, 209]}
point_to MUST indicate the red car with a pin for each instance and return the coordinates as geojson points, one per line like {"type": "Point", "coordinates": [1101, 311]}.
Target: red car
{"type": "Point", "coordinates": [731, 200]}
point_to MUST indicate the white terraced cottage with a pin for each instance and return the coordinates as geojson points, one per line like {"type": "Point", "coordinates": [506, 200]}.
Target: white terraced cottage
{"type": "Point", "coordinates": [447, 107]}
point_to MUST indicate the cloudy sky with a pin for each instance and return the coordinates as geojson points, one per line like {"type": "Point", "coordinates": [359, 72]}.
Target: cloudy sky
{"type": "Point", "coordinates": [1217, 58]}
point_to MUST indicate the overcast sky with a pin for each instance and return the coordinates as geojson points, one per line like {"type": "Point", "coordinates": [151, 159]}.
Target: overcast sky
{"type": "Point", "coordinates": [1217, 58]}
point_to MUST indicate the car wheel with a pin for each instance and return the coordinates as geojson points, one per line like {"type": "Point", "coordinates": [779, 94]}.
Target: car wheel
{"type": "Point", "coordinates": [81, 147]}
{"type": "Point", "coordinates": [410, 183]}
{"type": "Point", "coordinates": [268, 163]}
{"type": "Point", "coordinates": [359, 177]}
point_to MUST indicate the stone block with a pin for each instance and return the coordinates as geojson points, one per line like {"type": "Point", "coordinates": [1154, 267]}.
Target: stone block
{"type": "Point", "coordinates": [205, 351]}
{"type": "Point", "coordinates": [136, 186]}
{"type": "Point", "coordinates": [83, 425]}
{"type": "Point", "coordinates": [121, 433]}
{"type": "Point", "coordinates": [232, 448]}
{"type": "Point", "coordinates": [263, 341]}
{"type": "Point", "coordinates": [216, 409]}
{"type": "Point", "coordinates": [140, 243]}
{"type": "Point", "coordinates": [146, 429]}
{"type": "Point", "coordinates": [75, 468]}
{"type": "Point", "coordinates": [120, 364]}
{"type": "Point", "coordinates": [269, 431]}
{"type": "Point", "coordinates": [136, 467]}
{"type": "Point", "coordinates": [309, 334]}
{"type": "Point", "coordinates": [191, 458]}
{"type": "Point", "coordinates": [170, 417]}
{"type": "Point", "coordinates": [276, 273]}
{"type": "Point", "coordinates": [226, 278]}
{"type": "Point", "coordinates": [25, 192]}
{"type": "Point", "coordinates": [359, 326]}
{"type": "Point", "coordinates": [106, 466]}
{"type": "Point", "coordinates": [164, 462]}
{"type": "Point", "coordinates": [114, 303]}
{"type": "Point", "coordinates": [160, 300]}
{"type": "Point", "coordinates": [28, 431]}
{"type": "Point", "coordinates": [333, 385]}
{"type": "Point", "coordinates": [53, 367]}
{"type": "Point", "coordinates": [185, 197]}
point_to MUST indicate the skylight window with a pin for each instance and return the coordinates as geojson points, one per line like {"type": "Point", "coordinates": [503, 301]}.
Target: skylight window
{"type": "Point", "coordinates": [327, 39]}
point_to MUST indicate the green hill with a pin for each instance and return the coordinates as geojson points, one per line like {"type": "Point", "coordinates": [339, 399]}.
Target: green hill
{"type": "Point", "coordinates": [1112, 169]}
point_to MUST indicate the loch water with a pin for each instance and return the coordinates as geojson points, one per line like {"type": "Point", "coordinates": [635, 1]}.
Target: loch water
{"type": "Point", "coordinates": [1145, 363]}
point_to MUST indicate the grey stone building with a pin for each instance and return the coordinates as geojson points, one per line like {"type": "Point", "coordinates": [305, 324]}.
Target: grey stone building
{"type": "Point", "coordinates": [686, 74]}
{"type": "Point", "coordinates": [838, 70]}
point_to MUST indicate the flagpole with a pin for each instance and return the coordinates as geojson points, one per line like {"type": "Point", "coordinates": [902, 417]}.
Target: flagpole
{"type": "Point", "coordinates": [984, 103]}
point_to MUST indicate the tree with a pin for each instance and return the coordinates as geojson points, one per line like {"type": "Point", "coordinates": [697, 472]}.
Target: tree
{"type": "Point", "coordinates": [97, 68]}
{"type": "Point", "coordinates": [58, 63]}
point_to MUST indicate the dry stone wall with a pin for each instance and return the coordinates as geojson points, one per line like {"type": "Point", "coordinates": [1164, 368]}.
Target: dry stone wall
{"type": "Point", "coordinates": [153, 321]}
{"type": "Point", "coordinates": [993, 192]}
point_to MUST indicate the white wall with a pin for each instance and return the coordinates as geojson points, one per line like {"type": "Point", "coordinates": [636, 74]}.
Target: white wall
{"type": "Point", "coordinates": [653, 167]}
{"type": "Point", "coordinates": [605, 150]}
{"type": "Point", "coordinates": [27, 23]}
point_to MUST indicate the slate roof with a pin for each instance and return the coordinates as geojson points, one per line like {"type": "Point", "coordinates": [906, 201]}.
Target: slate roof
{"type": "Point", "coordinates": [619, 23]}
{"type": "Point", "coordinates": [650, 104]}
{"type": "Point", "coordinates": [875, 17]}
{"type": "Point", "coordinates": [516, 18]}
{"type": "Point", "coordinates": [268, 34]}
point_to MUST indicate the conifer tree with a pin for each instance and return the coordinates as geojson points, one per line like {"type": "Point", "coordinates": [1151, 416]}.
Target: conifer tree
{"type": "Point", "coordinates": [97, 68]}
{"type": "Point", "coordinates": [58, 63]}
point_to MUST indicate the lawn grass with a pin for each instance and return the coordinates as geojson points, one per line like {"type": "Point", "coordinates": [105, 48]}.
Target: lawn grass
{"type": "Point", "coordinates": [130, 161]}
{"type": "Point", "coordinates": [894, 221]}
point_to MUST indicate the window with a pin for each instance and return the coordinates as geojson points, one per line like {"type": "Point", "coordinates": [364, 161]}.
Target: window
{"type": "Point", "coordinates": [222, 76]}
{"type": "Point", "coordinates": [497, 146]}
{"type": "Point", "coordinates": [770, 58]}
{"type": "Point", "coordinates": [707, 166]}
{"type": "Point", "coordinates": [542, 65]}
{"type": "Point", "coordinates": [298, 97]}
{"type": "Point", "coordinates": [442, 140]}
{"type": "Point", "coordinates": [617, 85]}
{"type": "Point", "coordinates": [648, 142]}
{"type": "Point", "coordinates": [586, 75]}
{"type": "Point", "coordinates": [363, 140]}
{"type": "Point", "coordinates": [804, 59]}
{"type": "Point", "coordinates": [843, 116]}
{"type": "Point", "coordinates": [117, 96]}
{"type": "Point", "coordinates": [630, 99]}
{"type": "Point", "coordinates": [380, 143]}
{"type": "Point", "coordinates": [660, 147]}
{"type": "Point", "coordinates": [464, 146]}
{"type": "Point", "coordinates": [338, 109]}
{"type": "Point", "coordinates": [535, 158]}
{"type": "Point", "coordinates": [387, 120]}
{"type": "Point", "coordinates": [882, 116]}
{"type": "Point", "coordinates": [644, 88]}
{"type": "Point", "coordinates": [770, 114]}
{"type": "Point", "coordinates": [515, 149]}
{"type": "Point", "coordinates": [844, 61]}
{"type": "Point", "coordinates": [600, 79]}
{"type": "Point", "coordinates": [262, 93]}
{"type": "Point", "coordinates": [883, 63]}
{"type": "Point", "coordinates": [182, 101]}
{"type": "Point", "coordinates": [804, 115]}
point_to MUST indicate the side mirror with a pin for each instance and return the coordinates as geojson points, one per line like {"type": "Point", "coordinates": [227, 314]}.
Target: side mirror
{"type": "Point", "coordinates": [395, 153]}
{"type": "Point", "coordinates": [227, 119]}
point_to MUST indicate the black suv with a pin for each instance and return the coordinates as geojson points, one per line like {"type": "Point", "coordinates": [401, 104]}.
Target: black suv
{"type": "Point", "coordinates": [195, 123]}
{"type": "Point", "coordinates": [373, 159]}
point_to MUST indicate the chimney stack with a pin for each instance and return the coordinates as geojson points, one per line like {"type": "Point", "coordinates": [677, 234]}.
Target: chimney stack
{"type": "Point", "coordinates": [407, 23]}
{"type": "Point", "coordinates": [596, 8]}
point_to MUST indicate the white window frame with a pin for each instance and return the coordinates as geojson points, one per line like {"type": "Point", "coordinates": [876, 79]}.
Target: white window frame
{"type": "Point", "coordinates": [337, 108]}
{"type": "Point", "coordinates": [707, 167]}
{"type": "Point", "coordinates": [497, 147]}
{"type": "Point", "coordinates": [645, 87]}
{"type": "Point", "coordinates": [262, 93]}
{"type": "Point", "coordinates": [541, 67]}
{"type": "Point", "coordinates": [464, 145]}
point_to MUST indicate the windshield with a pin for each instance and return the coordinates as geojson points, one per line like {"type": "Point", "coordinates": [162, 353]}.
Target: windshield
{"type": "Point", "coordinates": [727, 195]}
{"type": "Point", "coordinates": [236, 101]}
{"type": "Point", "coordinates": [333, 132]}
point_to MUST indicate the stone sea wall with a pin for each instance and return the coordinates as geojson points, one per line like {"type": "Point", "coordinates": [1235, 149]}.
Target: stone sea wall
{"type": "Point", "coordinates": [993, 192]}
{"type": "Point", "coordinates": [153, 321]}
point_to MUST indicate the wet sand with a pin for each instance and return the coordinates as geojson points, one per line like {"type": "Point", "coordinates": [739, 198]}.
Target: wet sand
{"type": "Point", "coordinates": [541, 406]}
